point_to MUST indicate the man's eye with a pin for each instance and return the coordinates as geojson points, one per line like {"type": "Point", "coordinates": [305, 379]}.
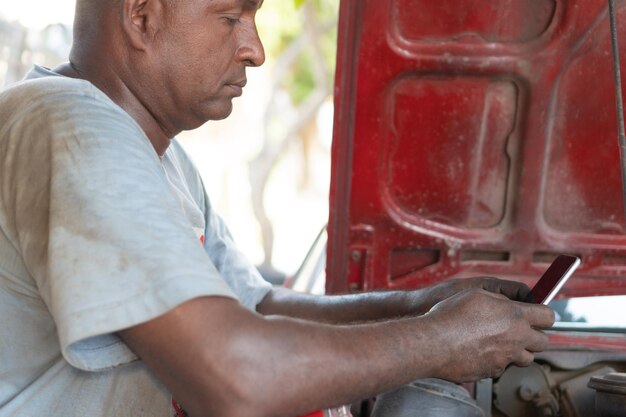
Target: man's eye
{"type": "Point", "coordinates": [232, 21]}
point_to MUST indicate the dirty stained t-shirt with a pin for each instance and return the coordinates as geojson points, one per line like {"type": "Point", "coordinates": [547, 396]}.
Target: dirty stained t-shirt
{"type": "Point", "coordinates": [97, 234]}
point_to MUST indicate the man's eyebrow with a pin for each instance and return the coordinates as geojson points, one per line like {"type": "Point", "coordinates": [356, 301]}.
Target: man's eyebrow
{"type": "Point", "coordinates": [256, 3]}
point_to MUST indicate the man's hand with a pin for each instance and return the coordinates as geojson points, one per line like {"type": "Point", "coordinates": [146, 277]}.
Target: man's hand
{"type": "Point", "coordinates": [483, 332]}
{"type": "Point", "coordinates": [426, 298]}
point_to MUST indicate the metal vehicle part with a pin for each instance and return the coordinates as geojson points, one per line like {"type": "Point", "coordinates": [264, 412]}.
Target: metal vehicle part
{"type": "Point", "coordinates": [543, 390]}
{"type": "Point", "coordinates": [427, 398]}
{"type": "Point", "coordinates": [610, 394]}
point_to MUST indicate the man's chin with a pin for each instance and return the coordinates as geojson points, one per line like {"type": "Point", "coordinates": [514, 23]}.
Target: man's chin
{"type": "Point", "coordinates": [223, 116]}
{"type": "Point", "coordinates": [221, 111]}
{"type": "Point", "coordinates": [207, 114]}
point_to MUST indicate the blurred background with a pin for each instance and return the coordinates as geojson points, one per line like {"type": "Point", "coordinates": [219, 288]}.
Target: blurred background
{"type": "Point", "coordinates": [267, 167]}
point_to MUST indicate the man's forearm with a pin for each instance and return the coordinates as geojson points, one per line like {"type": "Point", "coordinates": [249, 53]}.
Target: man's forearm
{"type": "Point", "coordinates": [242, 365]}
{"type": "Point", "coordinates": [350, 308]}
{"type": "Point", "coordinates": [218, 358]}
{"type": "Point", "coordinates": [380, 305]}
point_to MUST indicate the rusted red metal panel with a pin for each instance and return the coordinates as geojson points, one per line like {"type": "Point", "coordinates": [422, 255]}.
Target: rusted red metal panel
{"type": "Point", "coordinates": [475, 137]}
{"type": "Point", "coordinates": [581, 340]}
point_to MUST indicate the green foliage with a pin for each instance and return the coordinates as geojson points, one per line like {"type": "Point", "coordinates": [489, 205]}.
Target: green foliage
{"type": "Point", "coordinates": [281, 23]}
{"type": "Point", "coordinates": [300, 80]}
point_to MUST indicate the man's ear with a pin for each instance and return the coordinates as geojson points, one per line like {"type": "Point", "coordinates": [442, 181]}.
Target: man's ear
{"type": "Point", "coordinates": [141, 20]}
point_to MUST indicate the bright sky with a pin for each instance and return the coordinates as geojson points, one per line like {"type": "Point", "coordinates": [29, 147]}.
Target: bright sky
{"type": "Point", "coordinates": [38, 13]}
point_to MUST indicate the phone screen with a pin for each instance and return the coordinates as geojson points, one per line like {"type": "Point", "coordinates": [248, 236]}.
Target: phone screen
{"type": "Point", "coordinates": [554, 278]}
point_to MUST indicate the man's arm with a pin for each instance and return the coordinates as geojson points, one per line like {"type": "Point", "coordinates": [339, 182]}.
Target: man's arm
{"type": "Point", "coordinates": [218, 358]}
{"type": "Point", "coordinates": [370, 306]}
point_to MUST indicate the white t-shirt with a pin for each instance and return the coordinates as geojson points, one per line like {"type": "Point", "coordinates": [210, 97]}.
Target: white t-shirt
{"type": "Point", "coordinates": [97, 234]}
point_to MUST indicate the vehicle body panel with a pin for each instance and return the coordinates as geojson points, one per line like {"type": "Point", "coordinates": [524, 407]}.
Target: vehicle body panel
{"type": "Point", "coordinates": [475, 138]}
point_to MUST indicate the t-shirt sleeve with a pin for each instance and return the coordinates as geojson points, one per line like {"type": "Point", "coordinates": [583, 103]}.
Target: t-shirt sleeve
{"type": "Point", "coordinates": [101, 232]}
{"type": "Point", "coordinates": [240, 275]}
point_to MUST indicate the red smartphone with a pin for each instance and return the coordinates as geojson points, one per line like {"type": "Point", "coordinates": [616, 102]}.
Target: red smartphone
{"type": "Point", "coordinates": [554, 278]}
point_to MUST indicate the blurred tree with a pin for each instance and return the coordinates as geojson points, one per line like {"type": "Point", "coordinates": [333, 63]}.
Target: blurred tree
{"type": "Point", "coordinates": [302, 35]}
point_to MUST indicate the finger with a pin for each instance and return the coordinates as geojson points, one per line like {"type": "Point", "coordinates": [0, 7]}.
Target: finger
{"type": "Point", "coordinates": [524, 293]}
{"type": "Point", "coordinates": [539, 316]}
{"type": "Point", "coordinates": [512, 289]}
{"type": "Point", "coordinates": [496, 372]}
{"type": "Point", "coordinates": [537, 341]}
{"type": "Point", "coordinates": [491, 284]}
{"type": "Point", "coordinates": [495, 295]}
{"type": "Point", "coordinates": [524, 359]}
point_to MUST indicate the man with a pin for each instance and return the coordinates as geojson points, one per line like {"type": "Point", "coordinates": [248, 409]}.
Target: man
{"type": "Point", "coordinates": [110, 251]}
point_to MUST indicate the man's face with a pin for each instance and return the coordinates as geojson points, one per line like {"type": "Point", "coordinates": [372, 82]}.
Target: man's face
{"type": "Point", "coordinates": [201, 58]}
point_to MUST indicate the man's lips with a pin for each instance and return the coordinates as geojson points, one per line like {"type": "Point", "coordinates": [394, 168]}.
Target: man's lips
{"type": "Point", "coordinates": [237, 87]}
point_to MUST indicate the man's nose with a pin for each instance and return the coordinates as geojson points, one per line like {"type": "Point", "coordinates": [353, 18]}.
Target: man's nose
{"type": "Point", "coordinates": [251, 50]}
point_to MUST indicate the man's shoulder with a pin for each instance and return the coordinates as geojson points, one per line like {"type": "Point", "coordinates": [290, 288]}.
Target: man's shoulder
{"type": "Point", "coordinates": [40, 90]}
{"type": "Point", "coordinates": [60, 100]}
{"type": "Point", "coordinates": [53, 93]}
